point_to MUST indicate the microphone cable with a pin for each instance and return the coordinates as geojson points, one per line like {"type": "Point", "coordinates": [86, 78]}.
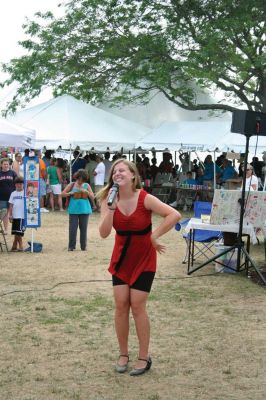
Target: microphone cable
{"type": "Point", "coordinates": [168, 278]}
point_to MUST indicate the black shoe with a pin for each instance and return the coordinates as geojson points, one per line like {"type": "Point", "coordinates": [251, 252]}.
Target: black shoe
{"type": "Point", "coordinates": [140, 371]}
{"type": "Point", "coordinates": [70, 249]}
{"type": "Point", "coordinates": [122, 368]}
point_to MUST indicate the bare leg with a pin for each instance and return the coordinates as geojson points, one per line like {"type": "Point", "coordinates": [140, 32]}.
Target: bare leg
{"type": "Point", "coordinates": [60, 203]}
{"type": "Point", "coordinates": [42, 201]}
{"type": "Point", "coordinates": [52, 201]}
{"type": "Point", "coordinates": [138, 300]}
{"type": "Point", "coordinates": [121, 296]}
{"type": "Point", "coordinates": [19, 239]}
{"type": "Point", "coordinates": [5, 221]}
{"type": "Point", "coordinates": [15, 243]}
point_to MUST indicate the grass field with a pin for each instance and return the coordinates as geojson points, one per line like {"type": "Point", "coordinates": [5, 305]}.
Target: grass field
{"type": "Point", "coordinates": [57, 339]}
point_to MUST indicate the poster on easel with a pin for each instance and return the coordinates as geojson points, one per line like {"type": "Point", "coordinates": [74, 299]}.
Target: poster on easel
{"type": "Point", "coordinates": [255, 209]}
{"type": "Point", "coordinates": [226, 208]}
{"type": "Point", "coordinates": [32, 192]}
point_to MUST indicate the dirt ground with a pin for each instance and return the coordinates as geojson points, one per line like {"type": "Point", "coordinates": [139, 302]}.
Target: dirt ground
{"type": "Point", "coordinates": [57, 339]}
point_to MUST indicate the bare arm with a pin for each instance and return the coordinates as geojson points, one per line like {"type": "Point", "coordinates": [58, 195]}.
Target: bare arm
{"type": "Point", "coordinates": [68, 190]}
{"type": "Point", "coordinates": [90, 195]}
{"type": "Point", "coordinates": [10, 211]}
{"type": "Point", "coordinates": [44, 173]}
{"type": "Point", "coordinates": [59, 174]}
{"type": "Point", "coordinates": [170, 218]}
{"type": "Point", "coordinates": [15, 167]}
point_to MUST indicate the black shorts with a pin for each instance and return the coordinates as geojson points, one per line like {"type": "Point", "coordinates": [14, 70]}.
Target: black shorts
{"type": "Point", "coordinates": [143, 283]}
{"type": "Point", "coordinates": [18, 227]}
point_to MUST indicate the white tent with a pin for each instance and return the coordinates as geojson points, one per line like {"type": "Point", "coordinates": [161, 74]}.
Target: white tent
{"type": "Point", "coordinates": [186, 135]}
{"type": "Point", "coordinates": [15, 136]}
{"type": "Point", "coordinates": [237, 142]}
{"type": "Point", "coordinates": [200, 136]}
{"type": "Point", "coordinates": [67, 122]}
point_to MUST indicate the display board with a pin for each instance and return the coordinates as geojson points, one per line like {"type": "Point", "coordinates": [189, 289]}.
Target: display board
{"type": "Point", "coordinates": [226, 207]}
{"type": "Point", "coordinates": [32, 192]}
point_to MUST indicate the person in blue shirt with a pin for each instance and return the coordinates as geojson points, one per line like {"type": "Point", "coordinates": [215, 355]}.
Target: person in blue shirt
{"type": "Point", "coordinates": [200, 176]}
{"type": "Point", "coordinates": [190, 180]}
{"type": "Point", "coordinates": [209, 169]}
{"type": "Point", "coordinates": [227, 171]}
{"type": "Point", "coordinates": [79, 208]}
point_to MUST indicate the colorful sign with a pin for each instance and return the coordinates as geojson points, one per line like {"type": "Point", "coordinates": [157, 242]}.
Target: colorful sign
{"type": "Point", "coordinates": [32, 192]}
{"type": "Point", "coordinates": [226, 208]}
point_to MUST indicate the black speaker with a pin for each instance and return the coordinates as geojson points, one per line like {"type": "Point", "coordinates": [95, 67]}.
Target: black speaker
{"type": "Point", "coordinates": [249, 122]}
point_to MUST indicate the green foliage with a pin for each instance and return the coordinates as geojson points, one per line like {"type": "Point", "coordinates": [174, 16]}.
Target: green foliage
{"type": "Point", "coordinates": [123, 50]}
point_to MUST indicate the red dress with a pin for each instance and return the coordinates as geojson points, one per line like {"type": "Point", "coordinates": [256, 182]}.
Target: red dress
{"type": "Point", "coordinates": [133, 252]}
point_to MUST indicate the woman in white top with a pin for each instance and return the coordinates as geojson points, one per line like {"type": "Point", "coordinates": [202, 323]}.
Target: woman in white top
{"type": "Point", "coordinates": [252, 182]}
{"type": "Point", "coordinates": [18, 165]}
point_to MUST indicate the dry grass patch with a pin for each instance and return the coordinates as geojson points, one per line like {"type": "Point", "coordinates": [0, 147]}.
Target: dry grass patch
{"type": "Point", "coordinates": [57, 339]}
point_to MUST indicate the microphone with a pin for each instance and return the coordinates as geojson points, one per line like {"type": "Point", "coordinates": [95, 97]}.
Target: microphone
{"type": "Point", "coordinates": [113, 194]}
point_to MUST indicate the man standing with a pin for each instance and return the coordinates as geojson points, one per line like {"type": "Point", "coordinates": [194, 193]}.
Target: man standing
{"type": "Point", "coordinates": [107, 164]}
{"type": "Point", "coordinates": [90, 167]}
{"type": "Point", "coordinates": [7, 186]}
{"type": "Point", "coordinates": [77, 163]}
{"type": "Point", "coordinates": [99, 174]}
{"type": "Point", "coordinates": [43, 177]}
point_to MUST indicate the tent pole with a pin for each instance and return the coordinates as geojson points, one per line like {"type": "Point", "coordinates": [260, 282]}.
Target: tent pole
{"type": "Point", "coordinates": [31, 245]}
{"type": "Point", "coordinates": [214, 177]}
{"type": "Point", "coordinates": [70, 166]}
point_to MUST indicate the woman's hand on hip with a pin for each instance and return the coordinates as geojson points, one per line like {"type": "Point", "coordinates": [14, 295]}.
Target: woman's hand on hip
{"type": "Point", "coordinates": [158, 247]}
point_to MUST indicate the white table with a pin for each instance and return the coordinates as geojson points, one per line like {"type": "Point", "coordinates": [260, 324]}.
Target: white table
{"type": "Point", "coordinates": [196, 223]}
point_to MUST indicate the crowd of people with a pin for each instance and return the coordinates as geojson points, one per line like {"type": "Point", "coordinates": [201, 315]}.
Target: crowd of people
{"type": "Point", "coordinates": [222, 173]}
{"type": "Point", "coordinates": [56, 173]}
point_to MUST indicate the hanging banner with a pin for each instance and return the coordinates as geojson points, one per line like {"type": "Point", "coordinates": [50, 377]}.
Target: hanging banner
{"type": "Point", "coordinates": [32, 192]}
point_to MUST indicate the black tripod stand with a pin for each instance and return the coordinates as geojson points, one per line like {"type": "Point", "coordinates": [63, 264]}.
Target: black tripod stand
{"type": "Point", "coordinates": [239, 245]}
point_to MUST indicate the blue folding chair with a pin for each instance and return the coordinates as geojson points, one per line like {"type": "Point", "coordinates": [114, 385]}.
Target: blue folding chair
{"type": "Point", "coordinates": [203, 239]}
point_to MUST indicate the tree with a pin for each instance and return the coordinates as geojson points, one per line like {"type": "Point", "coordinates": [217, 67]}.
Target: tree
{"type": "Point", "coordinates": [125, 50]}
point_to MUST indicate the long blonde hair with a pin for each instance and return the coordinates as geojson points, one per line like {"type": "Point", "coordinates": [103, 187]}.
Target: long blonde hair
{"type": "Point", "coordinates": [136, 182]}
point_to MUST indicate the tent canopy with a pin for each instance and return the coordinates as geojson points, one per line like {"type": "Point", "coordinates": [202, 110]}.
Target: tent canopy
{"type": "Point", "coordinates": [68, 122]}
{"type": "Point", "coordinates": [186, 135]}
{"type": "Point", "coordinates": [211, 135]}
{"type": "Point", "coordinates": [237, 142]}
{"type": "Point", "coordinates": [15, 136]}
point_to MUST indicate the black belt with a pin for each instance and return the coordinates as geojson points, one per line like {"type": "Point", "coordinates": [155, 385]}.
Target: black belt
{"type": "Point", "coordinates": [129, 234]}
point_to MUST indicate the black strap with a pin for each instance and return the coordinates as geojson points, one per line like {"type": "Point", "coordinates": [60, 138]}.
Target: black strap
{"type": "Point", "coordinates": [135, 233]}
{"type": "Point", "coordinates": [129, 234]}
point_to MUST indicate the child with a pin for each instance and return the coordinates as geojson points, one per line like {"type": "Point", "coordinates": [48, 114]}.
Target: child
{"type": "Point", "coordinates": [16, 214]}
